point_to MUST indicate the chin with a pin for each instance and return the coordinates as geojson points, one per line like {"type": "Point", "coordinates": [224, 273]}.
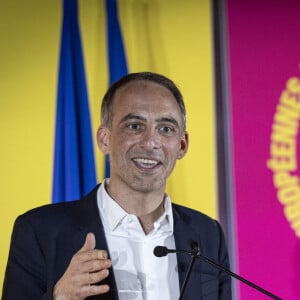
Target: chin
{"type": "Point", "coordinates": [148, 186]}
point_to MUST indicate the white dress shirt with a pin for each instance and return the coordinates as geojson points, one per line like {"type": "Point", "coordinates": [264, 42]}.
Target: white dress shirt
{"type": "Point", "coordinates": [139, 274]}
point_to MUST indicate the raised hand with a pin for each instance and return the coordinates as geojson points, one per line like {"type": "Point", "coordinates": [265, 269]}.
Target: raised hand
{"type": "Point", "coordinates": [87, 267]}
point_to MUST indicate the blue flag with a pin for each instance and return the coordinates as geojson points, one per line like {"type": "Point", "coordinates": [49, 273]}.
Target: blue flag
{"type": "Point", "coordinates": [116, 53]}
{"type": "Point", "coordinates": [74, 166]}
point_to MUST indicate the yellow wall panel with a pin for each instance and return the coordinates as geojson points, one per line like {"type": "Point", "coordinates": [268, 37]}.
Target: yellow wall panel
{"type": "Point", "coordinates": [29, 34]}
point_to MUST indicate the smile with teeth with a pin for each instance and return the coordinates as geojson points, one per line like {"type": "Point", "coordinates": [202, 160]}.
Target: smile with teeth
{"type": "Point", "coordinates": [146, 163]}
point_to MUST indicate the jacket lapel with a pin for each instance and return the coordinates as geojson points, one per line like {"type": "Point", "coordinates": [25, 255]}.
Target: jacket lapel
{"type": "Point", "coordinates": [88, 218]}
{"type": "Point", "coordinates": [184, 234]}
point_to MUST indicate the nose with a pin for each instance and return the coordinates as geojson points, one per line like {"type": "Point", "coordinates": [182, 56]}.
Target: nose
{"type": "Point", "coordinates": [150, 139]}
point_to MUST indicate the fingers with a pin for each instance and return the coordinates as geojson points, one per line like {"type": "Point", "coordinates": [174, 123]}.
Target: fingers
{"type": "Point", "coordinates": [96, 277]}
{"type": "Point", "coordinates": [91, 290]}
{"type": "Point", "coordinates": [90, 242]}
{"type": "Point", "coordinates": [88, 251]}
{"type": "Point", "coordinates": [93, 265]}
{"type": "Point", "coordinates": [87, 267]}
{"type": "Point", "coordinates": [85, 279]}
{"type": "Point", "coordinates": [90, 255]}
{"type": "Point", "coordinates": [90, 259]}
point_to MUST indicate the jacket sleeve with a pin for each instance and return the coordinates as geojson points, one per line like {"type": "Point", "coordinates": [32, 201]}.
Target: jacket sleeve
{"type": "Point", "coordinates": [25, 275]}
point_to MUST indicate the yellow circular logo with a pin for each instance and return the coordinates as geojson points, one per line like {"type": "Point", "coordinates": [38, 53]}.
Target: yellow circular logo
{"type": "Point", "coordinates": [283, 152]}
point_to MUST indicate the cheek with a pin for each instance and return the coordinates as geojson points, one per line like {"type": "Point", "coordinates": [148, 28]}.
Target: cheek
{"type": "Point", "coordinates": [118, 140]}
{"type": "Point", "coordinates": [173, 149]}
{"type": "Point", "coordinates": [176, 147]}
{"type": "Point", "coordinates": [120, 145]}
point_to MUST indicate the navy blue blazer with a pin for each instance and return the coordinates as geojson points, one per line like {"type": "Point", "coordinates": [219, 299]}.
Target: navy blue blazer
{"type": "Point", "coordinates": [45, 239]}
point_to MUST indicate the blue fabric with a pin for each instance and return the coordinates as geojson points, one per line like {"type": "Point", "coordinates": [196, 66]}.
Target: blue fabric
{"type": "Point", "coordinates": [74, 166]}
{"type": "Point", "coordinates": [116, 53]}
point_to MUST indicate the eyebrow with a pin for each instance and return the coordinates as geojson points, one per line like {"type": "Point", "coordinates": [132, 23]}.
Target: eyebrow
{"type": "Point", "coordinates": [169, 120]}
{"type": "Point", "coordinates": [132, 116]}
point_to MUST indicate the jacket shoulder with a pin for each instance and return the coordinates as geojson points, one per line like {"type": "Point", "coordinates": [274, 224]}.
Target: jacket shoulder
{"type": "Point", "coordinates": [192, 215]}
{"type": "Point", "coordinates": [60, 214]}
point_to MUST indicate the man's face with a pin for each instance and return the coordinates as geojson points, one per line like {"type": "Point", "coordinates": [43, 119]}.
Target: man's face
{"type": "Point", "coordinates": [146, 137]}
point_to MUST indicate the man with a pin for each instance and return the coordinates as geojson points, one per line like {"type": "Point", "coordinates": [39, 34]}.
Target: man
{"type": "Point", "coordinates": [102, 246]}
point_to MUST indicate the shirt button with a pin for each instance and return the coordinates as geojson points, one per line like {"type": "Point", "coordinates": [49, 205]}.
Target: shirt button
{"type": "Point", "coordinates": [130, 218]}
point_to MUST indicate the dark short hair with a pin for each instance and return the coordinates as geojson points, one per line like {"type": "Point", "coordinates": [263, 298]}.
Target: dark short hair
{"type": "Point", "coordinates": [108, 99]}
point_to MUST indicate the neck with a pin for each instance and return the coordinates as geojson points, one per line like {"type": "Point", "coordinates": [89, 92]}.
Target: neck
{"type": "Point", "coordinates": [148, 207]}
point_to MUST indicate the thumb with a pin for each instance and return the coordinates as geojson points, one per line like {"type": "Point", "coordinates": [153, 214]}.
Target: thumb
{"type": "Point", "coordinates": [89, 243]}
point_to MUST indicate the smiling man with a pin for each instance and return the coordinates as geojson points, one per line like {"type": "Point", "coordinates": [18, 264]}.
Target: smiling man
{"type": "Point", "coordinates": [102, 246]}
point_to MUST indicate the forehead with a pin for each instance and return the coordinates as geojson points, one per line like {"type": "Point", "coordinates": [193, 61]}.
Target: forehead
{"type": "Point", "coordinates": [145, 94]}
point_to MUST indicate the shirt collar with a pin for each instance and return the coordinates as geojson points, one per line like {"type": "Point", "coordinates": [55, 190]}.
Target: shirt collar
{"type": "Point", "coordinates": [112, 214]}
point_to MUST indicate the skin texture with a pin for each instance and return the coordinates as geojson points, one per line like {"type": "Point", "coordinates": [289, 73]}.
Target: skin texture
{"type": "Point", "coordinates": [87, 267]}
{"type": "Point", "coordinates": [147, 124]}
{"type": "Point", "coordinates": [144, 141]}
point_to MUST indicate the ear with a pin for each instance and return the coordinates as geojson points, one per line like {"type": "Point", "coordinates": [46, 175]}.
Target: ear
{"type": "Point", "coordinates": [103, 134]}
{"type": "Point", "coordinates": [184, 145]}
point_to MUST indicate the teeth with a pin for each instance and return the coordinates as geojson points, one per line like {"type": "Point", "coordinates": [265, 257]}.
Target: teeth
{"type": "Point", "coordinates": [145, 161]}
{"type": "Point", "coordinates": [148, 163]}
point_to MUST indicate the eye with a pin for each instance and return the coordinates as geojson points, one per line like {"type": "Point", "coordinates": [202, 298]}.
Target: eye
{"type": "Point", "coordinates": [134, 127]}
{"type": "Point", "coordinates": [167, 130]}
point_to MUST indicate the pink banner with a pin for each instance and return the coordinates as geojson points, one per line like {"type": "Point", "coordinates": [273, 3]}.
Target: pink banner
{"type": "Point", "coordinates": [264, 56]}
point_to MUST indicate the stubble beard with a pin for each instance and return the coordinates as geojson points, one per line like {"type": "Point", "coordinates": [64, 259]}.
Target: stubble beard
{"type": "Point", "coordinates": [147, 185]}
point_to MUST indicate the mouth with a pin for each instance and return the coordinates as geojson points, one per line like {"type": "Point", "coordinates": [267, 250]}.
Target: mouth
{"type": "Point", "coordinates": [146, 163]}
